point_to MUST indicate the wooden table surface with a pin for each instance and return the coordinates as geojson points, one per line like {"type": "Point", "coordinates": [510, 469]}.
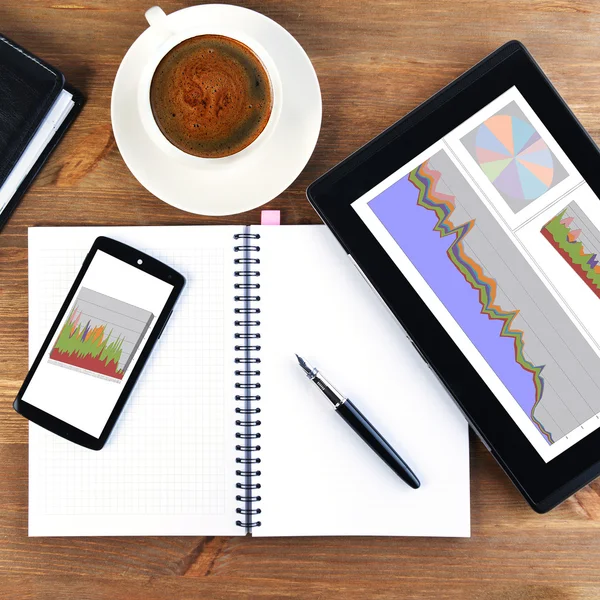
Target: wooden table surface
{"type": "Point", "coordinates": [375, 61]}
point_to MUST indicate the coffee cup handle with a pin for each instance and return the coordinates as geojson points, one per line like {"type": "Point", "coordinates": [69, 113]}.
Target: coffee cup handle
{"type": "Point", "coordinates": [157, 19]}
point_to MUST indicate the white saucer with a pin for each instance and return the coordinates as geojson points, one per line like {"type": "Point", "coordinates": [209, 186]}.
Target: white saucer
{"type": "Point", "coordinates": [258, 176]}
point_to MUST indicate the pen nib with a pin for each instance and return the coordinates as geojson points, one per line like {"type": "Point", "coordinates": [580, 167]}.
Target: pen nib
{"type": "Point", "coordinates": [303, 364]}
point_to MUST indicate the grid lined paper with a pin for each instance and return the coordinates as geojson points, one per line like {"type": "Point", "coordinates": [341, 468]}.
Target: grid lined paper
{"type": "Point", "coordinates": [168, 467]}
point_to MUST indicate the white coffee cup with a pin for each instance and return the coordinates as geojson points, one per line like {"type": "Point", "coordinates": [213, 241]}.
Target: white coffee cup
{"type": "Point", "coordinates": [168, 35]}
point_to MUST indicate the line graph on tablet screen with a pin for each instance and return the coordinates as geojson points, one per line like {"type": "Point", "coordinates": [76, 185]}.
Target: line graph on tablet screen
{"type": "Point", "coordinates": [493, 294]}
{"type": "Point", "coordinates": [100, 335]}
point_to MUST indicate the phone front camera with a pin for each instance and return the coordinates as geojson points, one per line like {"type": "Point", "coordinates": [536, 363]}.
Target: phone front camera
{"type": "Point", "coordinates": [140, 261]}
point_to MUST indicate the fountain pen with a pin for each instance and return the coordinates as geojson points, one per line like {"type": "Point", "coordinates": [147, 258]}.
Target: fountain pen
{"type": "Point", "coordinates": [361, 425]}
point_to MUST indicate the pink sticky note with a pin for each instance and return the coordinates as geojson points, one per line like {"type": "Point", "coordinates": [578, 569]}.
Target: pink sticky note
{"type": "Point", "coordinates": [270, 217]}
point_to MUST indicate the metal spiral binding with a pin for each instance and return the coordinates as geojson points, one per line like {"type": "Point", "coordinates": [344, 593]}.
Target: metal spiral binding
{"type": "Point", "coordinates": [247, 345]}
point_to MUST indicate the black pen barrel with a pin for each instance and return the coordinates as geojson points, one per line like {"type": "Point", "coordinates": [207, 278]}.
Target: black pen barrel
{"type": "Point", "coordinates": [377, 442]}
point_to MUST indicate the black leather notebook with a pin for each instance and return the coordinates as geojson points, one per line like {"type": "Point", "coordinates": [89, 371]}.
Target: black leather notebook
{"type": "Point", "coordinates": [36, 108]}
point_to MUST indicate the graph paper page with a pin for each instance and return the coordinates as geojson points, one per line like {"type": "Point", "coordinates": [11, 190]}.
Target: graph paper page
{"type": "Point", "coordinates": [169, 466]}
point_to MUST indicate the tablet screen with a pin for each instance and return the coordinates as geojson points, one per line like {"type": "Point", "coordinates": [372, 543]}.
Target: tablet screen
{"type": "Point", "coordinates": [500, 236]}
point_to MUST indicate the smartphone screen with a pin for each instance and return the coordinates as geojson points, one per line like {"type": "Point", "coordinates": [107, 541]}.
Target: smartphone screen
{"type": "Point", "coordinates": [93, 350]}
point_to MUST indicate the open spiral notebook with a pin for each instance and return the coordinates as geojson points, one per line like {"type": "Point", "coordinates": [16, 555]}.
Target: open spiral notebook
{"type": "Point", "coordinates": [223, 434]}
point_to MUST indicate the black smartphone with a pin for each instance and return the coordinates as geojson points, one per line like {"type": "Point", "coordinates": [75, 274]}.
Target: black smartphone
{"type": "Point", "coordinates": [100, 341]}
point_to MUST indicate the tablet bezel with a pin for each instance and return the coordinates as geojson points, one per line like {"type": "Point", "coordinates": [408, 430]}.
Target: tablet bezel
{"type": "Point", "coordinates": [544, 485]}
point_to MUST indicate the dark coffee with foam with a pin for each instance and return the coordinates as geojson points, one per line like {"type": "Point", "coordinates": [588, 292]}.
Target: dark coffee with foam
{"type": "Point", "coordinates": [211, 96]}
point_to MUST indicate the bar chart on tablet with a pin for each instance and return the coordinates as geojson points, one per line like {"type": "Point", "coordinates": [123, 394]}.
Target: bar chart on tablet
{"type": "Point", "coordinates": [572, 234]}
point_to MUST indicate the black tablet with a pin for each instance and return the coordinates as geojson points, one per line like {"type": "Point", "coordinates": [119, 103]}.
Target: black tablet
{"type": "Point", "coordinates": [476, 218]}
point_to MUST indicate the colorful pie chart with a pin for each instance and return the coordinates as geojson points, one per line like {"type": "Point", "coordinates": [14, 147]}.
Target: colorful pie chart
{"type": "Point", "coordinates": [514, 157]}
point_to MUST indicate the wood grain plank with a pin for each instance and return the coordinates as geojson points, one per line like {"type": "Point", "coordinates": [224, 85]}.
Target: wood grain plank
{"type": "Point", "coordinates": [218, 588]}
